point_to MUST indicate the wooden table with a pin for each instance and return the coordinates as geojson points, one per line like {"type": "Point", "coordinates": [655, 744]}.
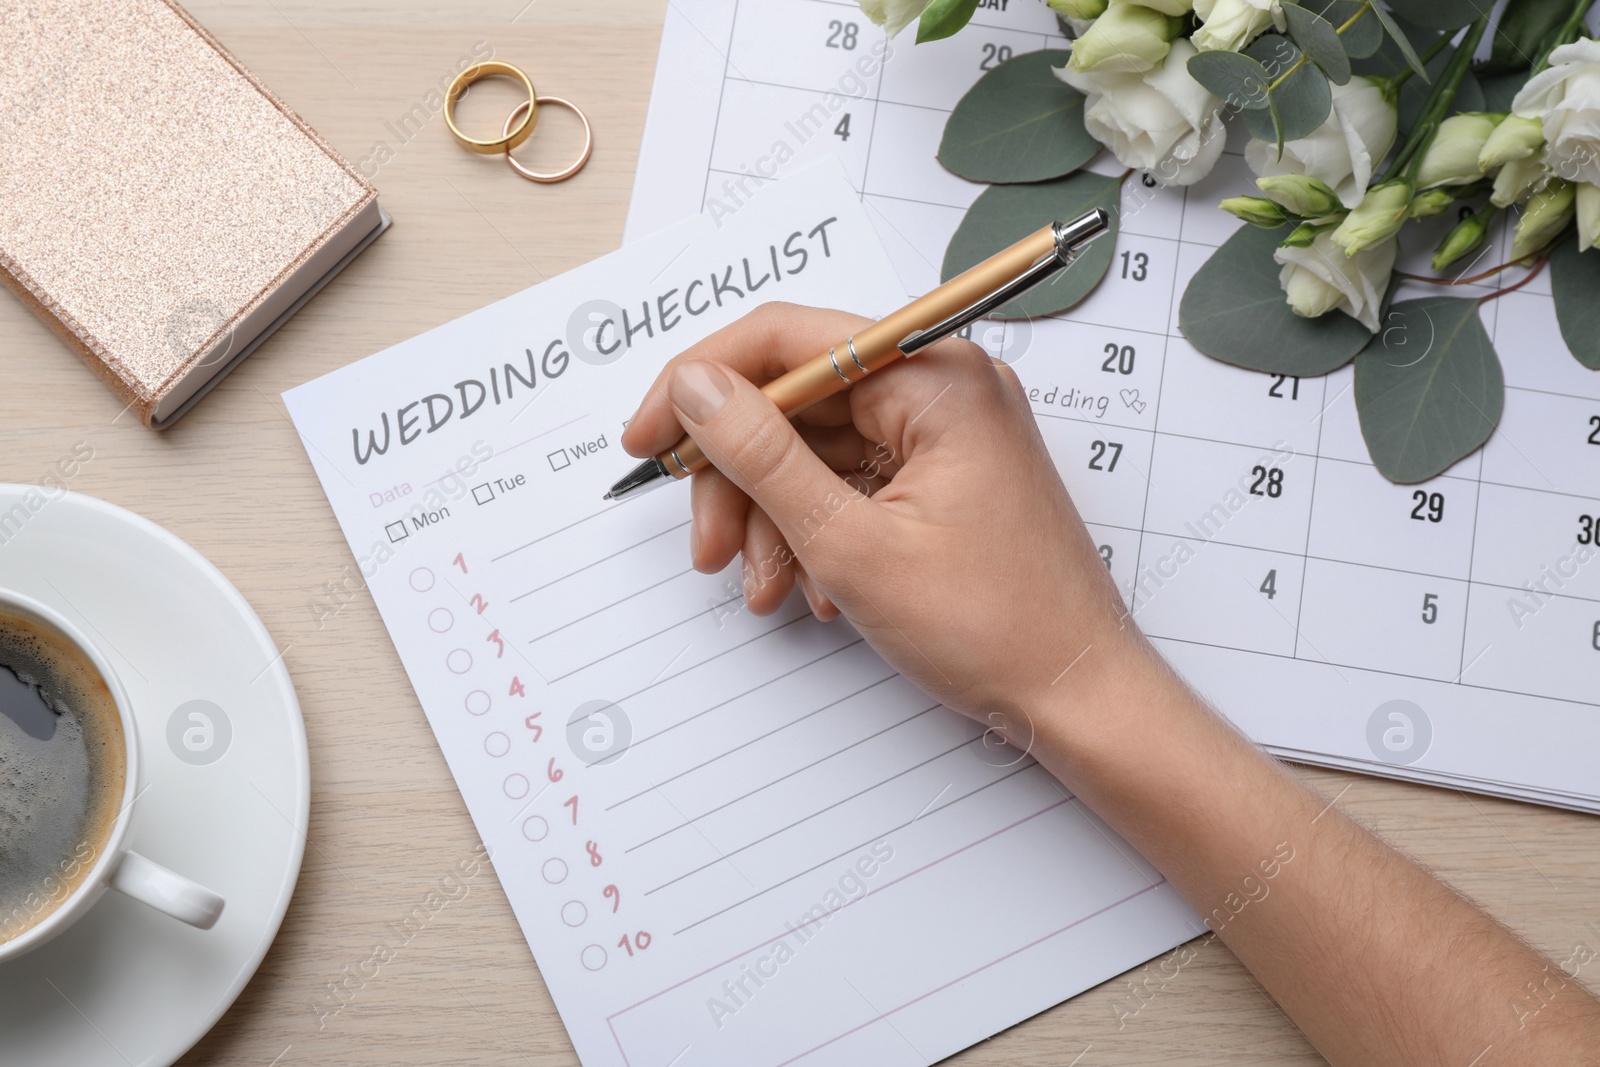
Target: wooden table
{"type": "Point", "coordinates": [386, 821]}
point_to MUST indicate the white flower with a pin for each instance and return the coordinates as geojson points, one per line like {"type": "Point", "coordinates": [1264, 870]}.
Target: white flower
{"type": "Point", "coordinates": [1565, 97]}
{"type": "Point", "coordinates": [893, 15]}
{"type": "Point", "coordinates": [1128, 37]}
{"type": "Point", "coordinates": [1301, 194]}
{"type": "Point", "coordinates": [1232, 24]}
{"type": "Point", "coordinates": [1515, 138]}
{"type": "Point", "coordinates": [1320, 278]}
{"type": "Point", "coordinates": [1377, 218]}
{"type": "Point", "coordinates": [1588, 216]}
{"type": "Point", "coordinates": [1452, 158]}
{"type": "Point", "coordinates": [1162, 121]}
{"type": "Point", "coordinates": [1516, 180]}
{"type": "Point", "coordinates": [1342, 151]}
{"type": "Point", "coordinates": [1547, 214]}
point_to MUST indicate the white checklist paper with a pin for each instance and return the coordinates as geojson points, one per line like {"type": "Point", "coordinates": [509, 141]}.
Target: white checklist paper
{"type": "Point", "coordinates": [728, 839]}
{"type": "Point", "coordinates": [1447, 632]}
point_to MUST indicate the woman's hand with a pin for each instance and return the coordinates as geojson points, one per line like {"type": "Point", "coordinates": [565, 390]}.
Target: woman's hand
{"type": "Point", "coordinates": [921, 503]}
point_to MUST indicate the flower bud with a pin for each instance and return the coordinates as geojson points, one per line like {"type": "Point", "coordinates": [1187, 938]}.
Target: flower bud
{"type": "Point", "coordinates": [1452, 158]}
{"type": "Point", "coordinates": [1465, 238]}
{"type": "Point", "coordinates": [1166, 7]}
{"type": "Point", "coordinates": [1302, 194]}
{"type": "Point", "coordinates": [1078, 9]}
{"type": "Point", "coordinates": [1588, 216]}
{"type": "Point", "coordinates": [1303, 235]}
{"type": "Point", "coordinates": [1433, 202]}
{"type": "Point", "coordinates": [1515, 138]}
{"type": "Point", "coordinates": [1256, 210]}
{"type": "Point", "coordinates": [1128, 38]}
{"type": "Point", "coordinates": [1379, 216]}
{"type": "Point", "coordinates": [1516, 180]}
{"type": "Point", "coordinates": [1548, 212]}
{"type": "Point", "coordinates": [1231, 24]}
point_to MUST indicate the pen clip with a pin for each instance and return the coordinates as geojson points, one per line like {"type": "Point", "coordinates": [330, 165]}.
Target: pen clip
{"type": "Point", "coordinates": [1070, 238]}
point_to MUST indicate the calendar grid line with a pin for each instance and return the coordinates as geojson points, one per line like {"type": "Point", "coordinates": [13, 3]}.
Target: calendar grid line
{"type": "Point", "coordinates": [1378, 670]}
{"type": "Point", "coordinates": [1155, 416]}
{"type": "Point", "coordinates": [877, 102]}
{"type": "Point", "coordinates": [722, 92]}
{"type": "Point", "coordinates": [1311, 518]}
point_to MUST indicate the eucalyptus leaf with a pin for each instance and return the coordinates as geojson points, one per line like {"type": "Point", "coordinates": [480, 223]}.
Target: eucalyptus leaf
{"type": "Point", "coordinates": [1300, 104]}
{"type": "Point", "coordinates": [1401, 41]}
{"type": "Point", "coordinates": [1520, 35]}
{"type": "Point", "coordinates": [941, 18]}
{"type": "Point", "coordinates": [1386, 59]}
{"type": "Point", "coordinates": [1499, 90]}
{"type": "Point", "coordinates": [1317, 38]}
{"type": "Point", "coordinates": [1429, 388]}
{"type": "Point", "coordinates": [1235, 311]}
{"type": "Point", "coordinates": [1240, 81]}
{"type": "Point", "coordinates": [1442, 14]}
{"type": "Point", "coordinates": [1019, 123]}
{"type": "Point", "coordinates": [1575, 282]}
{"type": "Point", "coordinates": [1364, 35]}
{"type": "Point", "coordinates": [1004, 214]}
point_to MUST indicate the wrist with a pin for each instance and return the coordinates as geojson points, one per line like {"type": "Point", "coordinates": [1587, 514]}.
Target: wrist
{"type": "Point", "coordinates": [1121, 722]}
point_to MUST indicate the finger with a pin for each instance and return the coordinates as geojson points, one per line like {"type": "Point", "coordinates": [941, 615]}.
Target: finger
{"type": "Point", "coordinates": [769, 559]}
{"type": "Point", "coordinates": [719, 508]}
{"type": "Point", "coordinates": [949, 393]}
{"type": "Point", "coordinates": [750, 441]}
{"type": "Point", "coordinates": [823, 608]}
{"type": "Point", "coordinates": [850, 454]}
{"type": "Point", "coordinates": [774, 338]}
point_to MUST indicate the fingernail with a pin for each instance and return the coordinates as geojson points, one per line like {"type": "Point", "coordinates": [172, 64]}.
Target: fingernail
{"type": "Point", "coordinates": [699, 390]}
{"type": "Point", "coordinates": [694, 542]}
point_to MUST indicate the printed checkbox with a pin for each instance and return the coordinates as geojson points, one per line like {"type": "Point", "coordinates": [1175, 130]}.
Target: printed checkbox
{"type": "Point", "coordinates": [397, 531]}
{"type": "Point", "coordinates": [559, 459]}
{"type": "Point", "coordinates": [483, 493]}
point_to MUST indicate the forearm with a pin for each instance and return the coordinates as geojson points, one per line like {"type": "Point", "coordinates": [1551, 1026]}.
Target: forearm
{"type": "Point", "coordinates": [1376, 960]}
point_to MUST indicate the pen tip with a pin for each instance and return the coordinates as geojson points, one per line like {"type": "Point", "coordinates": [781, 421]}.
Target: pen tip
{"type": "Point", "coordinates": [606, 497]}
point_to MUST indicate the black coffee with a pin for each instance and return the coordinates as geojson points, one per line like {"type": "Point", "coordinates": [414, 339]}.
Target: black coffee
{"type": "Point", "coordinates": [62, 769]}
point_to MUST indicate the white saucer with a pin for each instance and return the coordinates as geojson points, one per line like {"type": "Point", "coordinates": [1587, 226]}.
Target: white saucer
{"type": "Point", "coordinates": [126, 985]}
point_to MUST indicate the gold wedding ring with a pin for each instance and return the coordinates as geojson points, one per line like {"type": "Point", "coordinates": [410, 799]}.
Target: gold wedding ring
{"type": "Point", "coordinates": [566, 172]}
{"type": "Point", "coordinates": [515, 132]}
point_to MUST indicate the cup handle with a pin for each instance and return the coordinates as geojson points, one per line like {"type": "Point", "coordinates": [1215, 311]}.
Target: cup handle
{"type": "Point", "coordinates": [147, 881]}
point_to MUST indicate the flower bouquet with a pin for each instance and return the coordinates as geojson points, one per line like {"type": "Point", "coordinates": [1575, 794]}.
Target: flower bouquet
{"type": "Point", "coordinates": [1365, 121]}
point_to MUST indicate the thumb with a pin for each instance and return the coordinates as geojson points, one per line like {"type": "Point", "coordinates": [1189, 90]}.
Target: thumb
{"type": "Point", "coordinates": [747, 438]}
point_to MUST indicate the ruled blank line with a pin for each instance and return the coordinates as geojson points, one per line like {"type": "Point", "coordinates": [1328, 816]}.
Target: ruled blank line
{"type": "Point", "coordinates": [784, 777]}
{"type": "Point", "coordinates": [807, 818]}
{"type": "Point", "coordinates": [730, 700]}
{"type": "Point", "coordinates": [546, 537]}
{"type": "Point", "coordinates": [596, 563]}
{"type": "Point", "coordinates": [725, 703]}
{"type": "Point", "coordinates": [613, 604]}
{"type": "Point", "coordinates": [849, 851]}
{"type": "Point", "coordinates": [646, 637]}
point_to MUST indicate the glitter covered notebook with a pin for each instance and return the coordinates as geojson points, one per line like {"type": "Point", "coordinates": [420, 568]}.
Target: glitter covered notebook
{"type": "Point", "coordinates": [160, 208]}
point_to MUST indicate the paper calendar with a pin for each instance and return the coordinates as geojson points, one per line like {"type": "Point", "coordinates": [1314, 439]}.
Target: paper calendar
{"type": "Point", "coordinates": [1448, 632]}
{"type": "Point", "coordinates": [729, 840]}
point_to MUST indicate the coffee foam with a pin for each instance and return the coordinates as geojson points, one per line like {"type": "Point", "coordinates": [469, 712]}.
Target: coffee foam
{"type": "Point", "coordinates": [59, 797]}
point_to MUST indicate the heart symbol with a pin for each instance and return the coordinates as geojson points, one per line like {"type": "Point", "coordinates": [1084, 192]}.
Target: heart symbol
{"type": "Point", "coordinates": [1130, 397]}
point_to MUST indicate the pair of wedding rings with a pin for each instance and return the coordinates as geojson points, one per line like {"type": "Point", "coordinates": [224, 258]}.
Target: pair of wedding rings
{"type": "Point", "coordinates": [519, 125]}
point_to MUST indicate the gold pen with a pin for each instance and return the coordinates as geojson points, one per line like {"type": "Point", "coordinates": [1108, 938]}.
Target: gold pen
{"type": "Point", "coordinates": [962, 300]}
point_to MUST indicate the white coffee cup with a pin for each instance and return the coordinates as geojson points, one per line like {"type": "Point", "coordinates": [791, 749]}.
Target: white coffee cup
{"type": "Point", "coordinates": [113, 866]}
